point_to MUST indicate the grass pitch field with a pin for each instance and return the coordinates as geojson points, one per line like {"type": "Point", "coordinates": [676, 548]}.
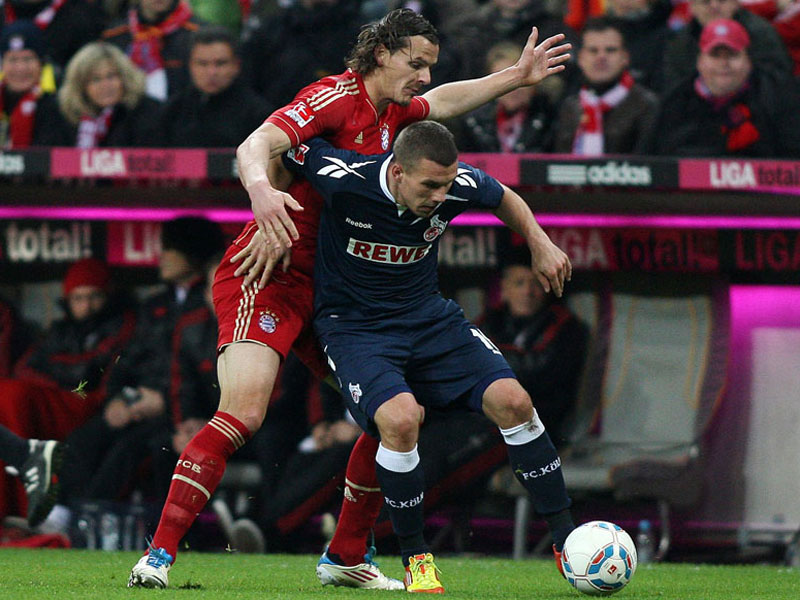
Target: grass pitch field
{"type": "Point", "coordinates": [56, 574]}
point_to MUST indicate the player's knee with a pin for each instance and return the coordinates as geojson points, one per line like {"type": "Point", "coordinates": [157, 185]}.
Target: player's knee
{"type": "Point", "coordinates": [508, 404]}
{"type": "Point", "coordinates": [398, 421]}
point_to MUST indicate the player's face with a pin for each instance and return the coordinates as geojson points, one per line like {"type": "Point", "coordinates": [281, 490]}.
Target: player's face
{"type": "Point", "coordinates": [84, 301]}
{"type": "Point", "coordinates": [424, 186]}
{"type": "Point", "coordinates": [602, 58]}
{"type": "Point", "coordinates": [104, 87]}
{"type": "Point", "coordinates": [521, 292]}
{"type": "Point", "coordinates": [406, 71]}
{"type": "Point", "coordinates": [21, 70]}
{"type": "Point", "coordinates": [213, 67]}
{"type": "Point", "coordinates": [724, 70]}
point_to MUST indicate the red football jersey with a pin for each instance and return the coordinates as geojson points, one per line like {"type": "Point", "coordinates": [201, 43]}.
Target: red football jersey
{"type": "Point", "coordinates": [336, 108]}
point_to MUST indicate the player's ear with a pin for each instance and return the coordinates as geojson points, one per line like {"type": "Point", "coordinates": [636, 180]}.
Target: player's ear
{"type": "Point", "coordinates": [381, 54]}
{"type": "Point", "coordinates": [396, 171]}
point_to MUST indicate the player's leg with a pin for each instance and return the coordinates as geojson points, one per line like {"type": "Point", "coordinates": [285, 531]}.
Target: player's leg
{"type": "Point", "coordinates": [361, 504]}
{"type": "Point", "coordinates": [402, 481]}
{"type": "Point", "coordinates": [533, 457]}
{"type": "Point", "coordinates": [37, 463]}
{"type": "Point", "coordinates": [246, 372]}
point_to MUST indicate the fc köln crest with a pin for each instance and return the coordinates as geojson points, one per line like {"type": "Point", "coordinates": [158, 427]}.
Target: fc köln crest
{"type": "Point", "coordinates": [436, 229]}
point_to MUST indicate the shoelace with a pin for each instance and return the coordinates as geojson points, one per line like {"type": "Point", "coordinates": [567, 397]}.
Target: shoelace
{"type": "Point", "coordinates": [424, 570]}
{"type": "Point", "coordinates": [369, 556]}
{"type": "Point", "coordinates": [156, 557]}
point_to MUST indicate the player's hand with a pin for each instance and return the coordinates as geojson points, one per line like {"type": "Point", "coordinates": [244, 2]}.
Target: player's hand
{"type": "Point", "coordinates": [259, 260]}
{"type": "Point", "coordinates": [551, 266]}
{"type": "Point", "coordinates": [269, 210]}
{"type": "Point", "coordinates": [539, 62]}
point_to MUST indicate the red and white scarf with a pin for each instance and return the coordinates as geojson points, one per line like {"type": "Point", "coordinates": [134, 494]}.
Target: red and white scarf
{"type": "Point", "coordinates": [589, 139]}
{"type": "Point", "coordinates": [21, 120]}
{"type": "Point", "coordinates": [42, 20]}
{"type": "Point", "coordinates": [93, 130]}
{"type": "Point", "coordinates": [148, 42]}
{"type": "Point", "coordinates": [509, 128]}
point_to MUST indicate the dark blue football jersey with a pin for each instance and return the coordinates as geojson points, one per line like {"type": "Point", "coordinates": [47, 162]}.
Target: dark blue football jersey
{"type": "Point", "coordinates": [374, 255]}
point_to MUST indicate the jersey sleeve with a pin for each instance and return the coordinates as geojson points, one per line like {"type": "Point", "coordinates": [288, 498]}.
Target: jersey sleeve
{"type": "Point", "coordinates": [477, 187]}
{"type": "Point", "coordinates": [308, 115]}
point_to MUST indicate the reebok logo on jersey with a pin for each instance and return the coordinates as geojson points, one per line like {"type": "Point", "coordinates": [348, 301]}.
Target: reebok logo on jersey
{"type": "Point", "coordinates": [300, 114]}
{"type": "Point", "coordinates": [465, 178]}
{"type": "Point", "coordinates": [339, 168]}
{"type": "Point", "coordinates": [359, 224]}
{"type": "Point", "coordinates": [387, 253]}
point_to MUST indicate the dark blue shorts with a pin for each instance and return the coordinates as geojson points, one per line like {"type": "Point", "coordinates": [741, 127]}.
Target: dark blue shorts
{"type": "Point", "coordinates": [433, 353]}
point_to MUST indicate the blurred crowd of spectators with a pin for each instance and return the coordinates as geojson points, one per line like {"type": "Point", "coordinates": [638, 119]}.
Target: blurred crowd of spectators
{"type": "Point", "coordinates": [668, 77]}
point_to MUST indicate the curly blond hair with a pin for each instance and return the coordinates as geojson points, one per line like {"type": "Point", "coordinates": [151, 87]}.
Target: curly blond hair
{"type": "Point", "coordinates": [72, 97]}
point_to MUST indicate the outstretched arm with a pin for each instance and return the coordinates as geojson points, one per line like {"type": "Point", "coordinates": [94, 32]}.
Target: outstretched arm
{"type": "Point", "coordinates": [534, 64]}
{"type": "Point", "coordinates": [269, 204]}
{"type": "Point", "coordinates": [549, 263]}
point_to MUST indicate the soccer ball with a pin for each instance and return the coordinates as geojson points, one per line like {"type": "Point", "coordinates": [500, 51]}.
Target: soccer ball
{"type": "Point", "coordinates": [599, 558]}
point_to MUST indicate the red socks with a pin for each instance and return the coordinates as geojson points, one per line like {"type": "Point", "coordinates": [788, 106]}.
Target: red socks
{"type": "Point", "coordinates": [362, 503]}
{"type": "Point", "coordinates": [196, 476]}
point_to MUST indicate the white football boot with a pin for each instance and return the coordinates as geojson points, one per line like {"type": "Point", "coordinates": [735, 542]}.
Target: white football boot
{"type": "Point", "coordinates": [152, 570]}
{"type": "Point", "coordinates": [365, 575]}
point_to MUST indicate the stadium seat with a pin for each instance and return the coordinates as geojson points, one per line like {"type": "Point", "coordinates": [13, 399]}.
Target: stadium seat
{"type": "Point", "coordinates": [652, 383]}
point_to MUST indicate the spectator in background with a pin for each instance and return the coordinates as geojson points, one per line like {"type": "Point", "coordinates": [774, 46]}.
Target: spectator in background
{"type": "Point", "coordinates": [105, 453]}
{"type": "Point", "coordinates": [519, 121]}
{"type": "Point", "coordinates": [307, 39]}
{"type": "Point", "coordinates": [644, 25]}
{"type": "Point", "coordinates": [103, 101]}
{"type": "Point", "coordinates": [66, 24]}
{"type": "Point", "coordinates": [767, 51]}
{"type": "Point", "coordinates": [60, 382]}
{"type": "Point", "coordinates": [785, 18]}
{"type": "Point", "coordinates": [28, 115]}
{"type": "Point", "coordinates": [503, 20]}
{"type": "Point", "coordinates": [216, 109]}
{"type": "Point", "coordinates": [612, 114]}
{"type": "Point", "coordinates": [542, 340]}
{"type": "Point", "coordinates": [156, 35]}
{"type": "Point", "coordinates": [731, 107]}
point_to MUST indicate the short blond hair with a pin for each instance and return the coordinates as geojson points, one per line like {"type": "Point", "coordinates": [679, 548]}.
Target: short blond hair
{"type": "Point", "coordinates": [505, 50]}
{"type": "Point", "coordinates": [72, 97]}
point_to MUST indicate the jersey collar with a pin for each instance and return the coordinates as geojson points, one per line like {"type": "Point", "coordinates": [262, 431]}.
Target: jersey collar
{"type": "Point", "coordinates": [384, 177]}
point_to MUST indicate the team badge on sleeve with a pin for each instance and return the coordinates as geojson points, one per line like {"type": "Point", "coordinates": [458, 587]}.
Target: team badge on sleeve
{"type": "Point", "coordinates": [298, 154]}
{"type": "Point", "coordinates": [300, 114]}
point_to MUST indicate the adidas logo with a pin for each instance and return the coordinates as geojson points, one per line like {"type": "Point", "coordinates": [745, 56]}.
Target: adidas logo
{"type": "Point", "coordinates": [359, 138]}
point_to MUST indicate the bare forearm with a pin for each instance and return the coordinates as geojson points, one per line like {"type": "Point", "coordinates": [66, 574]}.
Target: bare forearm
{"type": "Point", "coordinates": [459, 97]}
{"type": "Point", "coordinates": [516, 213]}
{"type": "Point", "coordinates": [253, 155]}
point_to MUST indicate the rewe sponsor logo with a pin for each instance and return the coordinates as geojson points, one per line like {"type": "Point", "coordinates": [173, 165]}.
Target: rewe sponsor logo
{"type": "Point", "coordinates": [387, 253]}
{"type": "Point", "coordinates": [541, 471]}
{"type": "Point", "coordinates": [405, 503]}
{"type": "Point", "coordinates": [732, 174]}
{"type": "Point", "coordinates": [12, 164]}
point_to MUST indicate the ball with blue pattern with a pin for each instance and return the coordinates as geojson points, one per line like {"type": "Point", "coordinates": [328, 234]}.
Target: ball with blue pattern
{"type": "Point", "coordinates": [599, 558]}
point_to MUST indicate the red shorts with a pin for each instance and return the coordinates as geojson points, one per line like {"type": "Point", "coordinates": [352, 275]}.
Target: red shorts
{"type": "Point", "coordinates": [279, 316]}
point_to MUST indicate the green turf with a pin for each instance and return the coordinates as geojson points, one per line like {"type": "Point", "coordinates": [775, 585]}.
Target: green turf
{"type": "Point", "coordinates": [56, 574]}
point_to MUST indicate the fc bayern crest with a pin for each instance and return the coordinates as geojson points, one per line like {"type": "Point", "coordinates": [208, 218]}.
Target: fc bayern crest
{"type": "Point", "coordinates": [267, 321]}
{"type": "Point", "coordinates": [435, 230]}
{"type": "Point", "coordinates": [385, 136]}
